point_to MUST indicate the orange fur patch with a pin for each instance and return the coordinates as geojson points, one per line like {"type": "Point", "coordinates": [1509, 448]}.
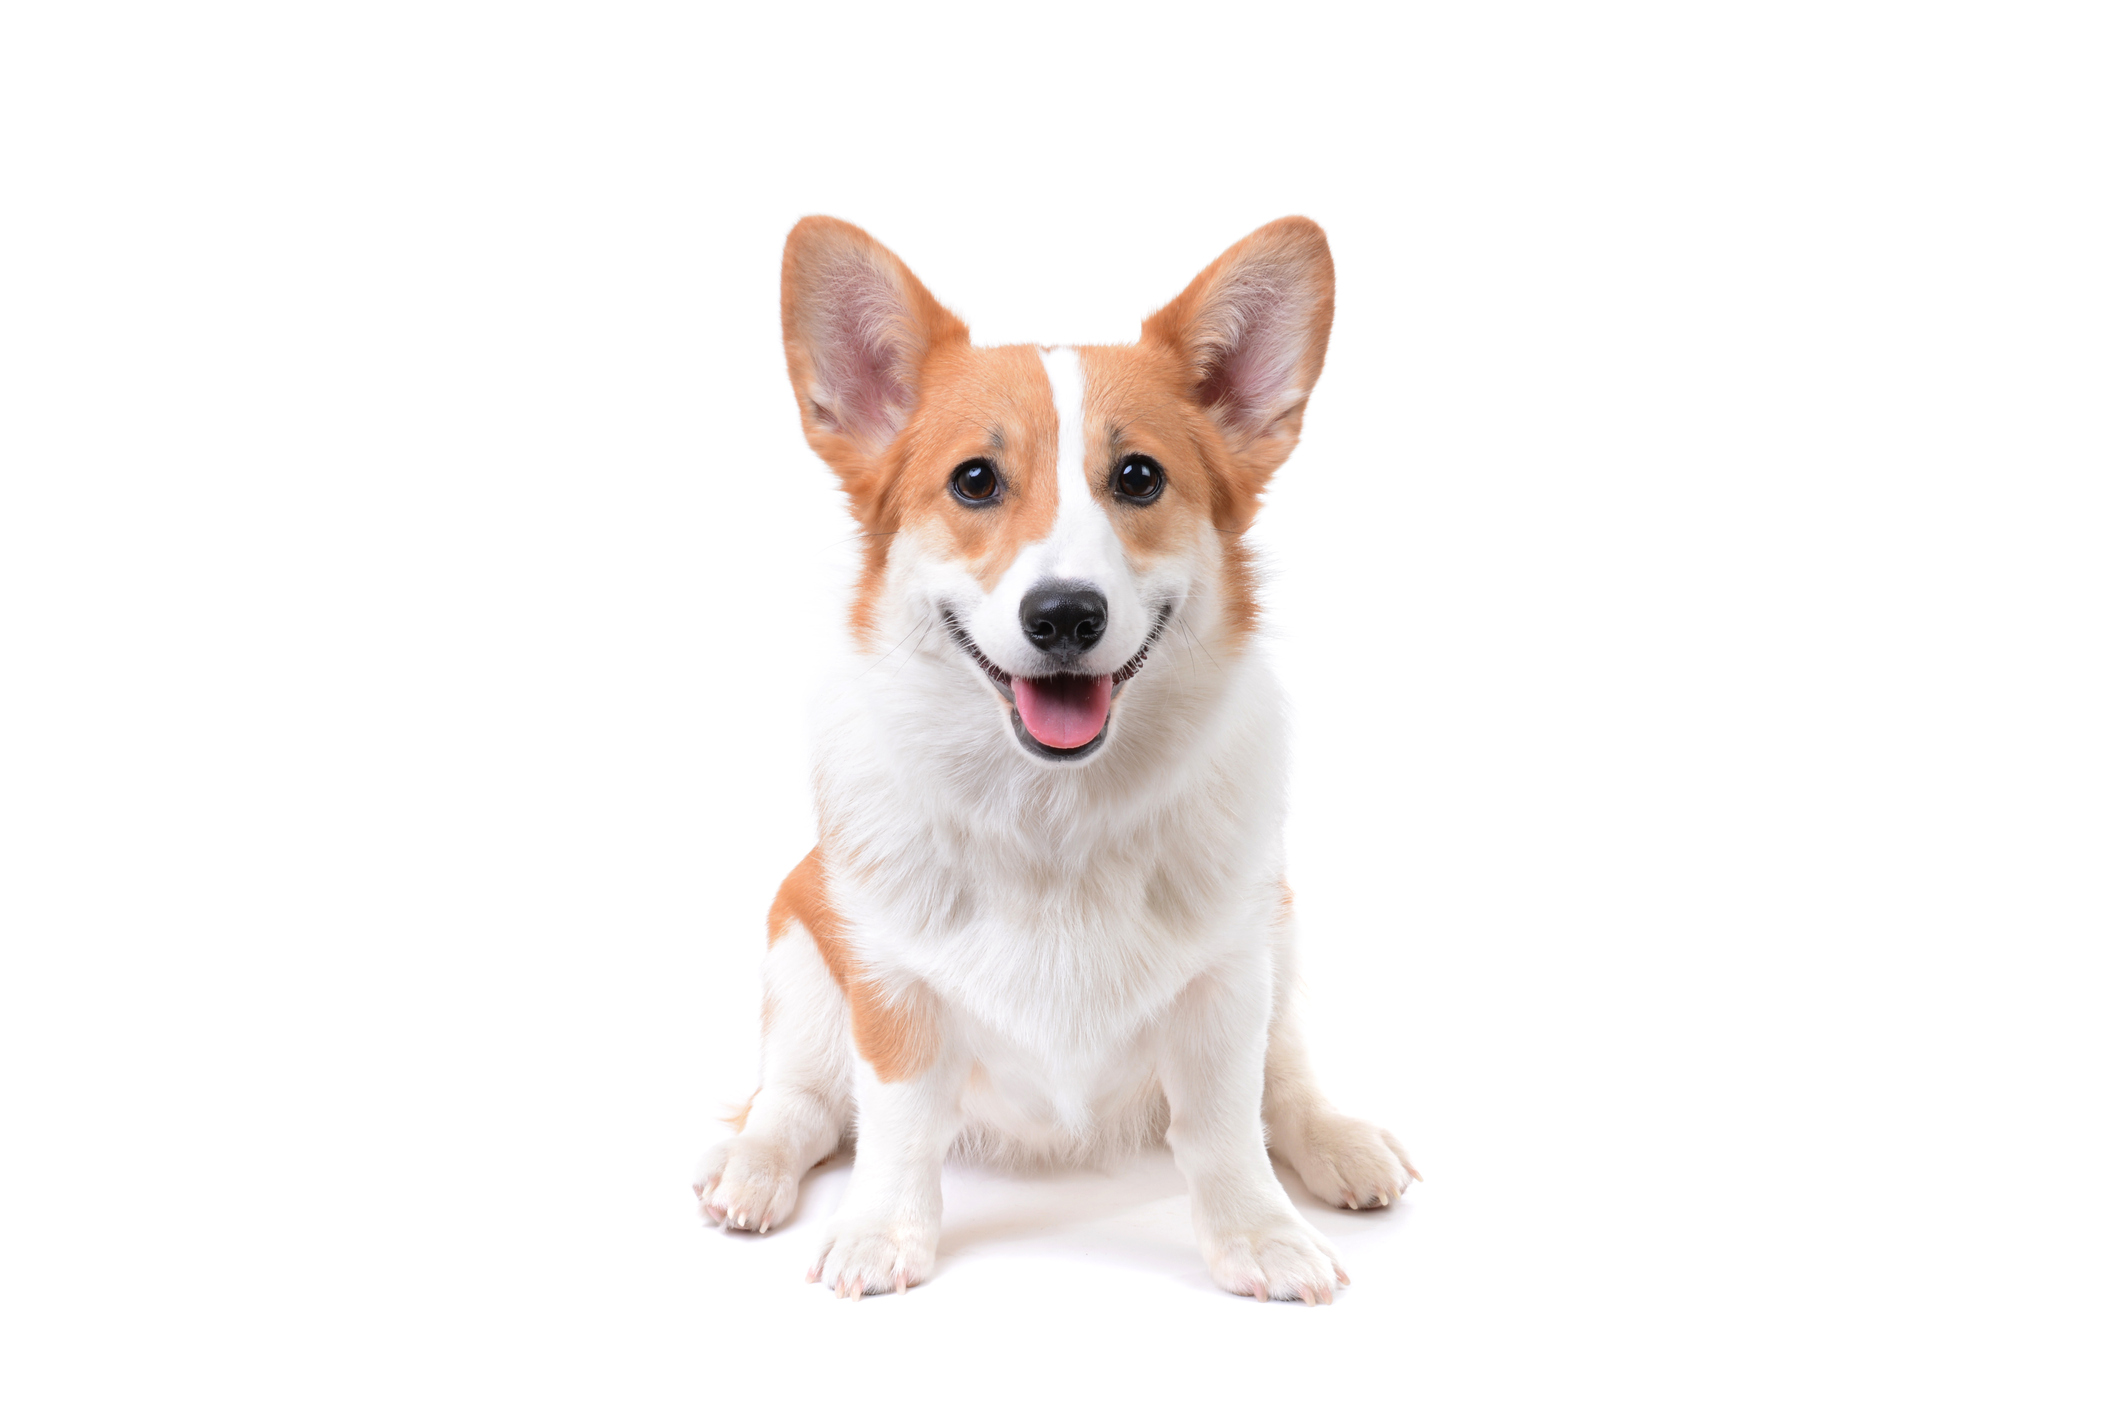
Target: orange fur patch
{"type": "Point", "coordinates": [993, 403]}
{"type": "Point", "coordinates": [823, 258]}
{"type": "Point", "coordinates": [1138, 398]}
{"type": "Point", "coordinates": [896, 1035]}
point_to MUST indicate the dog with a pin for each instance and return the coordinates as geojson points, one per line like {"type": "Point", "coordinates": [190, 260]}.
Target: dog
{"type": "Point", "coordinates": [1045, 920]}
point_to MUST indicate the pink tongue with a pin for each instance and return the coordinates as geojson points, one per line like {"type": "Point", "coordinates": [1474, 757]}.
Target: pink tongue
{"type": "Point", "coordinates": [1063, 712]}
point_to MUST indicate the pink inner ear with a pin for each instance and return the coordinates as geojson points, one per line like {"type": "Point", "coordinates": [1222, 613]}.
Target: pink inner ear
{"type": "Point", "coordinates": [1261, 324]}
{"type": "Point", "coordinates": [862, 352]}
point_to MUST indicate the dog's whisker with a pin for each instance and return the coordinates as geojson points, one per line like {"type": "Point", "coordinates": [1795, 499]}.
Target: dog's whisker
{"type": "Point", "coordinates": [1203, 647]}
{"type": "Point", "coordinates": [886, 657]}
{"type": "Point", "coordinates": [918, 648]}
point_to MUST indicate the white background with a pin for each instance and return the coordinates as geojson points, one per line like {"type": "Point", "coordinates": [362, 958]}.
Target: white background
{"type": "Point", "coordinates": [1697, 592]}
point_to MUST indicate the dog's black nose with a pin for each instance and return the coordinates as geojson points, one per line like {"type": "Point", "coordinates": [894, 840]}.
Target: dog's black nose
{"type": "Point", "coordinates": [1063, 618]}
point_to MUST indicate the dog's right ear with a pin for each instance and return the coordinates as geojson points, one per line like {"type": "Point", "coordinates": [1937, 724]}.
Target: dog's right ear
{"type": "Point", "coordinates": [858, 329]}
{"type": "Point", "coordinates": [1251, 333]}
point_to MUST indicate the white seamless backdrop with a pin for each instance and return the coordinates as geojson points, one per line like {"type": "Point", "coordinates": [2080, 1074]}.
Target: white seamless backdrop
{"type": "Point", "coordinates": [1696, 595]}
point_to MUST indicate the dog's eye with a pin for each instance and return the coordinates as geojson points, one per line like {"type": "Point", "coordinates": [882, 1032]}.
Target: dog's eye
{"type": "Point", "coordinates": [1138, 478]}
{"type": "Point", "coordinates": [975, 481]}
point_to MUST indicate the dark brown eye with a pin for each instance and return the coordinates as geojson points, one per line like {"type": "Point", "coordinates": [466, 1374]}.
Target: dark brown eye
{"type": "Point", "coordinates": [1138, 478]}
{"type": "Point", "coordinates": [975, 481]}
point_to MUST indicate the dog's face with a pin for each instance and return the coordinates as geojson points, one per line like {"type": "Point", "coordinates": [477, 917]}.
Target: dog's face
{"type": "Point", "coordinates": [1055, 512]}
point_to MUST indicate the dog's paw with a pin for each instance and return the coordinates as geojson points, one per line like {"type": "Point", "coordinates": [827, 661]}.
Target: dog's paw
{"type": "Point", "coordinates": [1281, 1259]}
{"type": "Point", "coordinates": [1349, 1162]}
{"type": "Point", "coordinates": [864, 1254]}
{"type": "Point", "coordinates": [746, 1185]}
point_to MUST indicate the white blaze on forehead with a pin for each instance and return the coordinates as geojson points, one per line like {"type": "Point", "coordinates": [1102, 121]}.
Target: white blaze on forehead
{"type": "Point", "coordinates": [1083, 545]}
{"type": "Point", "coordinates": [1064, 370]}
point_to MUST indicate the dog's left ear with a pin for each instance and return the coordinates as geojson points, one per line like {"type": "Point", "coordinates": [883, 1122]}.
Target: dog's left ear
{"type": "Point", "coordinates": [1251, 330]}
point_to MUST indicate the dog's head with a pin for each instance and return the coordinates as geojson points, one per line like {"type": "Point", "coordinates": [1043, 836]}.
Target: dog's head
{"type": "Point", "coordinates": [1053, 515]}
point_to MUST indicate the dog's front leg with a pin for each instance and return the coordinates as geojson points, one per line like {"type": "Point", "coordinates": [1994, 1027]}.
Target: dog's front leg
{"type": "Point", "coordinates": [1212, 1062]}
{"type": "Point", "coordinates": [883, 1237]}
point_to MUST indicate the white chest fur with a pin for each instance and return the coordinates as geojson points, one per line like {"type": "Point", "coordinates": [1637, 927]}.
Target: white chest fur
{"type": "Point", "coordinates": [1053, 914]}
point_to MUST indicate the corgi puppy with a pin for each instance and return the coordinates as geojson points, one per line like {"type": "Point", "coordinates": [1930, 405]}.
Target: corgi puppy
{"type": "Point", "coordinates": [1045, 919]}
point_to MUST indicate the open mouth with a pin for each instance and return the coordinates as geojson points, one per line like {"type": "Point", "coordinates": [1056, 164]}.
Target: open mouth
{"type": "Point", "coordinates": [1062, 716]}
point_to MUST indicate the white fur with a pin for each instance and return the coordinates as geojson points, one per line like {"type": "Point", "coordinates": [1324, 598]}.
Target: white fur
{"type": "Point", "coordinates": [1064, 374]}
